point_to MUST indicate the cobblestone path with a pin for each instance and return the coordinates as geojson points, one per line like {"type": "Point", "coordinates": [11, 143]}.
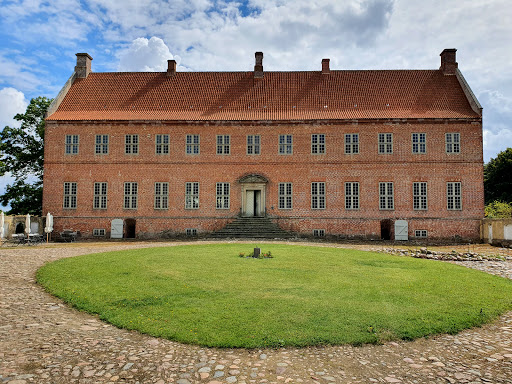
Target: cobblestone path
{"type": "Point", "coordinates": [44, 341]}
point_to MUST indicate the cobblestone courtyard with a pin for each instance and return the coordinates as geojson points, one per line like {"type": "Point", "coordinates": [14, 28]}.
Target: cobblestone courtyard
{"type": "Point", "coordinates": [44, 341]}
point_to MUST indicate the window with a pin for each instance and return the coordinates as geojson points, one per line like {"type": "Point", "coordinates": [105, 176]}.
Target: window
{"type": "Point", "coordinates": [192, 146]}
{"type": "Point", "coordinates": [100, 196]}
{"type": "Point", "coordinates": [285, 145]}
{"type": "Point", "coordinates": [98, 232]}
{"type": "Point", "coordinates": [420, 233]}
{"type": "Point", "coordinates": [453, 143]}
{"type": "Point", "coordinates": [130, 195]}
{"type": "Point", "coordinates": [191, 195]}
{"type": "Point", "coordinates": [72, 144]}
{"type": "Point", "coordinates": [386, 196]}
{"type": "Point", "coordinates": [285, 195]}
{"type": "Point", "coordinates": [351, 195]}
{"type": "Point", "coordinates": [385, 143]}
{"type": "Point", "coordinates": [318, 232]}
{"type": "Point", "coordinates": [453, 193]}
{"type": "Point", "coordinates": [131, 144]}
{"type": "Point", "coordinates": [191, 232]}
{"type": "Point", "coordinates": [419, 143]}
{"type": "Point", "coordinates": [222, 196]}
{"type": "Point", "coordinates": [352, 143]}
{"type": "Point", "coordinates": [419, 196]}
{"type": "Point", "coordinates": [162, 144]}
{"type": "Point", "coordinates": [69, 196]}
{"type": "Point", "coordinates": [253, 144]}
{"type": "Point", "coordinates": [318, 195]}
{"type": "Point", "coordinates": [101, 147]}
{"type": "Point", "coordinates": [161, 195]}
{"type": "Point", "coordinates": [222, 144]}
{"type": "Point", "coordinates": [317, 144]}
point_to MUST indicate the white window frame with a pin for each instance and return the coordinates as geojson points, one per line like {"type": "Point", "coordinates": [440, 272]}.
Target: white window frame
{"type": "Point", "coordinates": [131, 195]}
{"type": "Point", "coordinates": [385, 143]}
{"type": "Point", "coordinates": [352, 195]}
{"type": "Point", "coordinates": [192, 195]}
{"type": "Point", "coordinates": [222, 191]}
{"type": "Point", "coordinates": [319, 232]}
{"type": "Point", "coordinates": [318, 143]}
{"type": "Point", "coordinates": [318, 195]}
{"type": "Point", "coordinates": [72, 144]}
{"type": "Point", "coordinates": [454, 196]}
{"type": "Point", "coordinates": [286, 144]}
{"type": "Point", "coordinates": [101, 145]}
{"type": "Point", "coordinates": [452, 140]}
{"type": "Point", "coordinates": [70, 195]}
{"type": "Point", "coordinates": [419, 143]}
{"type": "Point", "coordinates": [419, 196]}
{"type": "Point", "coordinates": [386, 196]}
{"type": "Point", "coordinates": [253, 144]}
{"type": "Point", "coordinates": [351, 143]}
{"type": "Point", "coordinates": [192, 144]}
{"type": "Point", "coordinates": [421, 233]}
{"type": "Point", "coordinates": [99, 232]}
{"type": "Point", "coordinates": [100, 195]}
{"type": "Point", "coordinates": [131, 144]}
{"type": "Point", "coordinates": [162, 144]}
{"type": "Point", "coordinates": [285, 193]}
{"type": "Point", "coordinates": [191, 231]}
{"type": "Point", "coordinates": [223, 144]}
{"type": "Point", "coordinates": [161, 195]}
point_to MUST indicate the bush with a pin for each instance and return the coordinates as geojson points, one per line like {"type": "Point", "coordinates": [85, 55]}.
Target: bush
{"type": "Point", "coordinates": [498, 209]}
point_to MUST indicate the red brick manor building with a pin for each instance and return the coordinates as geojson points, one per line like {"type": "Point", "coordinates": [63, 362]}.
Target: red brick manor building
{"type": "Point", "coordinates": [349, 153]}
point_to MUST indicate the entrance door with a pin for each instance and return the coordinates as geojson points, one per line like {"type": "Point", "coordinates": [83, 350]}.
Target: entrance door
{"type": "Point", "coordinates": [116, 229]}
{"type": "Point", "coordinates": [252, 202]}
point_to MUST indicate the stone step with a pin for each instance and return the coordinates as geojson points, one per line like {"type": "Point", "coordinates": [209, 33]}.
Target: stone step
{"type": "Point", "coordinates": [252, 227]}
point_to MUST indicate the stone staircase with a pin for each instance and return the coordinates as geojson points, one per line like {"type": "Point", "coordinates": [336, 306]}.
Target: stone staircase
{"type": "Point", "coordinates": [252, 228]}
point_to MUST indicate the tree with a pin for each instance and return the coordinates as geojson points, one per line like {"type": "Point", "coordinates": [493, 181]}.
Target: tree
{"type": "Point", "coordinates": [498, 209]}
{"type": "Point", "coordinates": [22, 155]}
{"type": "Point", "coordinates": [498, 178]}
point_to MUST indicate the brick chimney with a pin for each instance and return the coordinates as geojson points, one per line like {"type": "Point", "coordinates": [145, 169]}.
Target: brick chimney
{"type": "Point", "coordinates": [171, 67]}
{"type": "Point", "coordinates": [325, 66]}
{"type": "Point", "coordinates": [83, 65]}
{"type": "Point", "coordinates": [258, 67]}
{"type": "Point", "coordinates": [448, 61]}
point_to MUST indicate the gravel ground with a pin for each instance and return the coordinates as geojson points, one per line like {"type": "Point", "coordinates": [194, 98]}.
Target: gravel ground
{"type": "Point", "coordinates": [44, 341]}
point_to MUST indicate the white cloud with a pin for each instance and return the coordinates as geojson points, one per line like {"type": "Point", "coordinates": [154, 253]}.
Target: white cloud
{"type": "Point", "coordinates": [12, 102]}
{"type": "Point", "coordinates": [495, 142]}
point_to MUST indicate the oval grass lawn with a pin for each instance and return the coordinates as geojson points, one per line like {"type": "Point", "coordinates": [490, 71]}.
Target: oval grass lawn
{"type": "Point", "coordinates": [208, 295]}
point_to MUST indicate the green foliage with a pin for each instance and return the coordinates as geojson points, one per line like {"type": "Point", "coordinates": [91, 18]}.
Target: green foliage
{"type": "Point", "coordinates": [498, 178]}
{"type": "Point", "coordinates": [498, 209]}
{"type": "Point", "coordinates": [207, 295]}
{"type": "Point", "coordinates": [22, 154]}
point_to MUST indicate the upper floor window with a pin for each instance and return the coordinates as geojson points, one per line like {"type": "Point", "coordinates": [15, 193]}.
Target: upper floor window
{"type": "Point", "coordinates": [72, 142]}
{"type": "Point", "coordinates": [351, 143]}
{"type": "Point", "coordinates": [453, 143]}
{"type": "Point", "coordinates": [161, 195]}
{"type": "Point", "coordinates": [453, 196]}
{"type": "Point", "coordinates": [223, 144]}
{"type": "Point", "coordinates": [285, 144]}
{"type": "Point", "coordinates": [101, 147]}
{"type": "Point", "coordinates": [386, 198]}
{"type": "Point", "coordinates": [285, 195]}
{"type": "Point", "coordinates": [385, 143]}
{"type": "Point", "coordinates": [192, 145]}
{"type": "Point", "coordinates": [419, 143]}
{"type": "Point", "coordinates": [419, 196]}
{"type": "Point", "coordinates": [351, 195]}
{"type": "Point", "coordinates": [69, 195]}
{"type": "Point", "coordinates": [162, 144]}
{"type": "Point", "coordinates": [222, 196]}
{"type": "Point", "coordinates": [131, 146]}
{"type": "Point", "coordinates": [100, 196]}
{"type": "Point", "coordinates": [317, 144]}
{"type": "Point", "coordinates": [318, 195]}
{"type": "Point", "coordinates": [192, 195]}
{"type": "Point", "coordinates": [130, 195]}
{"type": "Point", "coordinates": [253, 144]}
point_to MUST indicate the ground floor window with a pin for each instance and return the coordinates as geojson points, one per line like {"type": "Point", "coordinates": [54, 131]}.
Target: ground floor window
{"type": "Point", "coordinates": [319, 232]}
{"type": "Point", "coordinates": [69, 196]}
{"type": "Point", "coordinates": [222, 196]}
{"type": "Point", "coordinates": [420, 233]}
{"type": "Point", "coordinates": [100, 196]}
{"type": "Point", "coordinates": [285, 195]}
{"type": "Point", "coordinates": [130, 195]}
{"type": "Point", "coordinates": [318, 195]}
{"type": "Point", "coordinates": [98, 232]}
{"type": "Point", "coordinates": [192, 195]}
{"type": "Point", "coordinates": [419, 195]}
{"type": "Point", "coordinates": [161, 195]}
{"type": "Point", "coordinates": [191, 232]}
{"type": "Point", "coordinates": [351, 195]}
{"type": "Point", "coordinates": [454, 197]}
{"type": "Point", "coordinates": [386, 200]}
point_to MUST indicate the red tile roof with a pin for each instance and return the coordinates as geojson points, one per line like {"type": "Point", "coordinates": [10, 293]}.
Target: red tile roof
{"type": "Point", "coordinates": [236, 96]}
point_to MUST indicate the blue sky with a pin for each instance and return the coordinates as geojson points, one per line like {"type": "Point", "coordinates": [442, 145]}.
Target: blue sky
{"type": "Point", "coordinates": [39, 39]}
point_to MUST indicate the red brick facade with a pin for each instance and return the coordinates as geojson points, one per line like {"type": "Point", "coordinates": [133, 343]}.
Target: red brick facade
{"type": "Point", "coordinates": [301, 168]}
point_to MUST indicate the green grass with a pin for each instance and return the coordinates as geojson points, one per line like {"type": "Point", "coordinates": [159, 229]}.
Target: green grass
{"type": "Point", "coordinates": [207, 295]}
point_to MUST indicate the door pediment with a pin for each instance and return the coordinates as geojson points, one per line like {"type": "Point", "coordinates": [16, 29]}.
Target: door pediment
{"type": "Point", "coordinates": [253, 178]}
